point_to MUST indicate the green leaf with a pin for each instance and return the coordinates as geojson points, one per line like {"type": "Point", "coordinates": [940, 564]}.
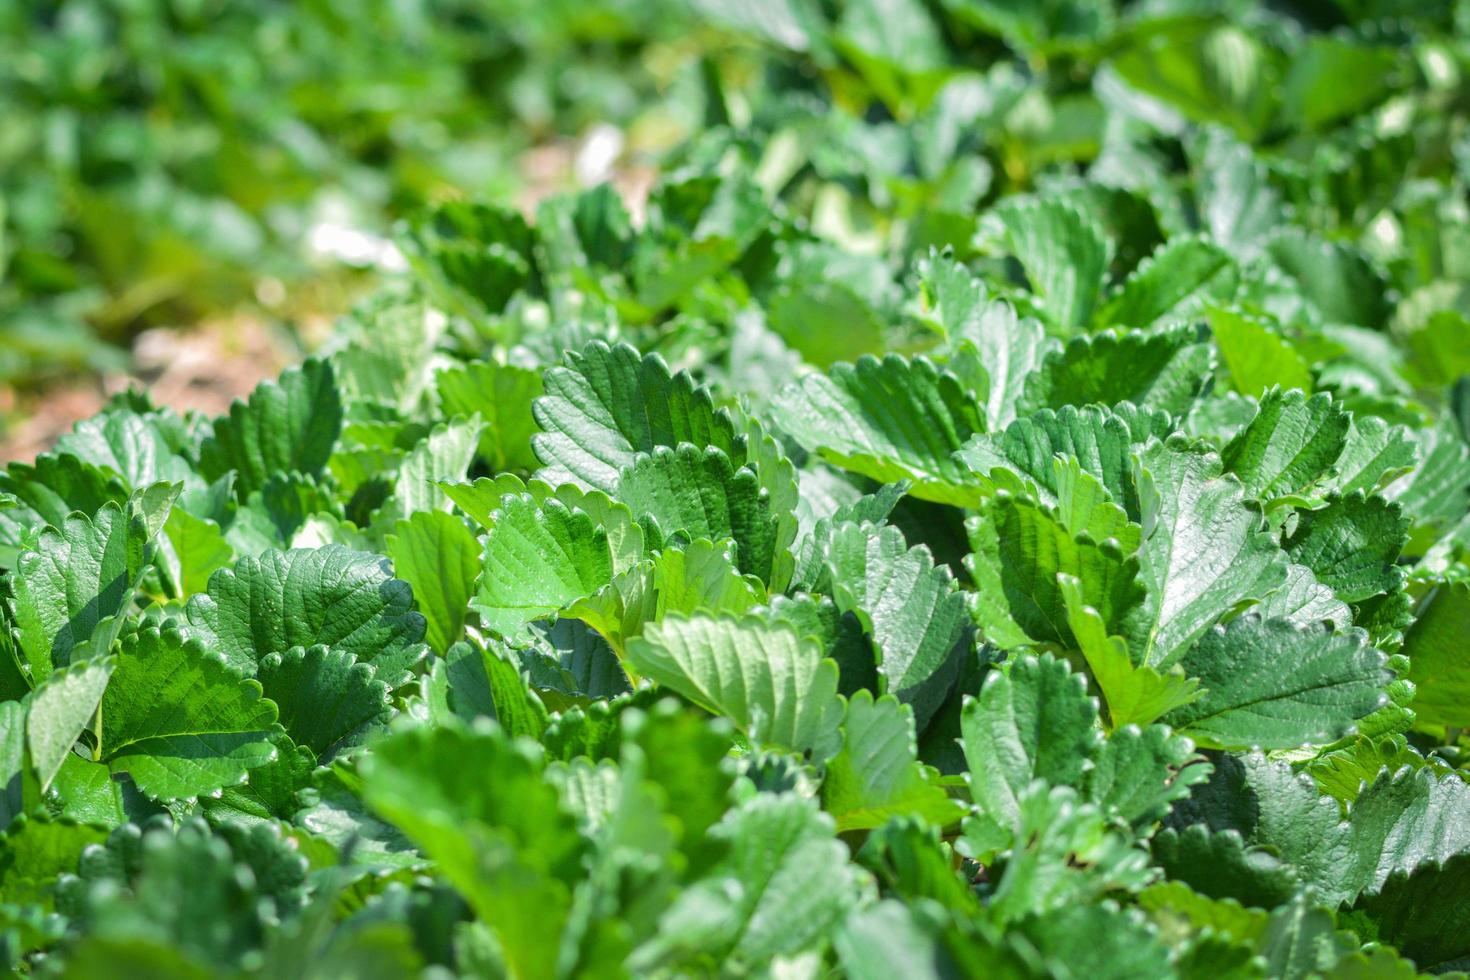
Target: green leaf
{"type": "Point", "coordinates": [1064, 253]}
{"type": "Point", "coordinates": [608, 404]}
{"type": "Point", "coordinates": [15, 788]}
{"type": "Point", "coordinates": [1007, 347]}
{"type": "Point", "coordinates": [1437, 492]}
{"type": "Point", "coordinates": [196, 549]}
{"type": "Point", "coordinates": [1173, 283]}
{"type": "Point", "coordinates": [289, 425]}
{"type": "Point", "coordinates": [1333, 77]}
{"type": "Point", "coordinates": [501, 395]}
{"type": "Point", "coordinates": [326, 699]}
{"type": "Point", "coordinates": [81, 574]}
{"type": "Point", "coordinates": [1134, 694]}
{"type": "Point", "coordinates": [700, 577]}
{"type": "Point", "coordinates": [1163, 370]}
{"type": "Point", "coordinates": [877, 775]}
{"type": "Point", "coordinates": [1375, 453]}
{"type": "Point", "coordinates": [1399, 822]}
{"type": "Point", "coordinates": [178, 720]}
{"type": "Point", "coordinates": [331, 596]}
{"type": "Point", "coordinates": [444, 456]}
{"type": "Point", "coordinates": [60, 710]}
{"type": "Point", "coordinates": [1352, 545]}
{"type": "Point", "coordinates": [1138, 773]}
{"type": "Point", "coordinates": [772, 684]}
{"type": "Point", "coordinates": [439, 557]}
{"type": "Point", "coordinates": [538, 558]}
{"type": "Point", "coordinates": [1335, 277]}
{"type": "Point", "coordinates": [1254, 354]}
{"type": "Point", "coordinates": [908, 604]}
{"type": "Point", "coordinates": [1289, 447]}
{"type": "Point", "coordinates": [129, 445]}
{"type": "Point", "coordinates": [35, 851]}
{"type": "Point", "coordinates": [825, 321]}
{"type": "Point", "coordinates": [1065, 856]}
{"type": "Point", "coordinates": [1437, 662]}
{"type": "Point", "coordinates": [1271, 684]}
{"type": "Point", "coordinates": [475, 802]}
{"type": "Point", "coordinates": [784, 883]}
{"type": "Point", "coordinates": [1205, 550]}
{"type": "Point", "coordinates": [894, 419]}
{"type": "Point", "coordinates": [1020, 548]}
{"type": "Point", "coordinates": [1221, 865]}
{"type": "Point", "coordinates": [1210, 73]}
{"type": "Point", "coordinates": [1237, 202]}
{"type": "Point", "coordinates": [1101, 440]}
{"type": "Point", "coordinates": [1303, 600]}
{"type": "Point", "coordinates": [1033, 721]}
{"type": "Point", "coordinates": [1426, 914]}
{"type": "Point", "coordinates": [700, 494]}
{"type": "Point", "coordinates": [49, 491]}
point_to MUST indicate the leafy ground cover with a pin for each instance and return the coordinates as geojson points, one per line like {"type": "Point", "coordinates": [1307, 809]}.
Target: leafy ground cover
{"type": "Point", "coordinates": [978, 522]}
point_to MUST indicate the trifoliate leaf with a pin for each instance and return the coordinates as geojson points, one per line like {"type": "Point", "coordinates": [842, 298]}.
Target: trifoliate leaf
{"type": "Point", "coordinates": [444, 456]}
{"type": "Point", "coordinates": [195, 548]}
{"type": "Point", "coordinates": [894, 419]}
{"type": "Point", "coordinates": [1221, 865]}
{"type": "Point", "coordinates": [1375, 453]}
{"type": "Point", "coordinates": [130, 445]}
{"type": "Point", "coordinates": [608, 404]}
{"type": "Point", "coordinates": [439, 557]}
{"type": "Point", "coordinates": [290, 425]}
{"type": "Point", "coordinates": [47, 492]}
{"type": "Point", "coordinates": [770, 683]}
{"type": "Point", "coordinates": [1138, 773]}
{"type": "Point", "coordinates": [178, 720]}
{"type": "Point", "coordinates": [877, 774]}
{"type": "Point", "coordinates": [1065, 856]}
{"type": "Point", "coordinates": [907, 604]}
{"type": "Point", "coordinates": [343, 599]}
{"type": "Point", "coordinates": [1303, 600]}
{"type": "Point", "coordinates": [1425, 914]}
{"type": "Point", "coordinates": [1101, 440]}
{"type": "Point", "coordinates": [1162, 370]}
{"type": "Point", "coordinates": [1271, 684]}
{"type": "Point", "coordinates": [1205, 550]}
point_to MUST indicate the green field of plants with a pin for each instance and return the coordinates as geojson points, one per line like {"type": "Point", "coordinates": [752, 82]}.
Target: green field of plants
{"type": "Point", "coordinates": [999, 507]}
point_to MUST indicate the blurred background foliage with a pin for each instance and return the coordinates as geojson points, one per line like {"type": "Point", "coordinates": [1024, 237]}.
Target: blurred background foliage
{"type": "Point", "coordinates": [163, 162]}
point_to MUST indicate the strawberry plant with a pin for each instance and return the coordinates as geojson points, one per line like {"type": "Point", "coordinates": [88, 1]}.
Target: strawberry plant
{"type": "Point", "coordinates": [1072, 583]}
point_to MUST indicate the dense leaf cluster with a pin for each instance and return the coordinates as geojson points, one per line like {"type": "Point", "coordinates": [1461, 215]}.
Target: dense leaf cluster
{"type": "Point", "coordinates": [1073, 586]}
